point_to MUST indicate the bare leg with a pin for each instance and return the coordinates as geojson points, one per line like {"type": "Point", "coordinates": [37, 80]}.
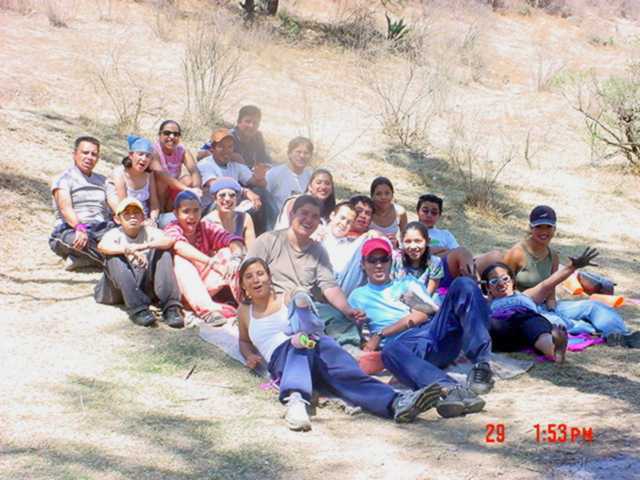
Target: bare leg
{"type": "Point", "coordinates": [460, 262]}
{"type": "Point", "coordinates": [545, 345]}
{"type": "Point", "coordinates": [486, 259]}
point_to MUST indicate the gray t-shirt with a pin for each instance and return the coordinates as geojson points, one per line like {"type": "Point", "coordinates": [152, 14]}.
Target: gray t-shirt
{"type": "Point", "coordinates": [290, 268]}
{"type": "Point", "coordinates": [282, 183]}
{"type": "Point", "coordinates": [88, 195]}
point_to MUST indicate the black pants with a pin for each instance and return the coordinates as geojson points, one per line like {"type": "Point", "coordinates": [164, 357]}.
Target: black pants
{"type": "Point", "coordinates": [61, 241]}
{"type": "Point", "coordinates": [139, 287]}
{"type": "Point", "coordinates": [517, 332]}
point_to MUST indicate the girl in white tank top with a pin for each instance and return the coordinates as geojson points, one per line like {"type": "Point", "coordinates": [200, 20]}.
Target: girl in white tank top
{"type": "Point", "coordinates": [267, 333]}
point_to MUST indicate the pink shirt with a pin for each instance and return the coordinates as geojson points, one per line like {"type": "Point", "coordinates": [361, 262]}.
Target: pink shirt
{"type": "Point", "coordinates": [209, 237]}
{"type": "Point", "coordinates": [172, 164]}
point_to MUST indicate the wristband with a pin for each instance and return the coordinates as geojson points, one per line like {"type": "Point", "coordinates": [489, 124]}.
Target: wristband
{"type": "Point", "coordinates": [81, 227]}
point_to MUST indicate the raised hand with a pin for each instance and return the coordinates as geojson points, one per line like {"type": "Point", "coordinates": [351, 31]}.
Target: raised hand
{"type": "Point", "coordinates": [585, 258]}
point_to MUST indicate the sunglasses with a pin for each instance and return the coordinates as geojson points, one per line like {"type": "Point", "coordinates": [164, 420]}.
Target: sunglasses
{"type": "Point", "coordinates": [503, 279]}
{"type": "Point", "coordinates": [427, 211]}
{"type": "Point", "coordinates": [169, 133]}
{"type": "Point", "coordinates": [226, 195]}
{"type": "Point", "coordinates": [377, 260]}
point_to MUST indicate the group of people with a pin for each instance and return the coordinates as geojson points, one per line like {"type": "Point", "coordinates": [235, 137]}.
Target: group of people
{"type": "Point", "coordinates": [227, 234]}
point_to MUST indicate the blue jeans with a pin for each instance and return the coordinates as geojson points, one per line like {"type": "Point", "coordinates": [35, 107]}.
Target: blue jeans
{"type": "Point", "coordinates": [417, 356]}
{"type": "Point", "coordinates": [328, 365]}
{"type": "Point", "coordinates": [589, 316]}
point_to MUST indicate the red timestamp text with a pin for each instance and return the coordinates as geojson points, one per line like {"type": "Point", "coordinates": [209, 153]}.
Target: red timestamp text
{"type": "Point", "coordinates": [562, 433]}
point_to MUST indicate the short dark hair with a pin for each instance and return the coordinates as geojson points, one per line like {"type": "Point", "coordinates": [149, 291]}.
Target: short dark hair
{"type": "Point", "coordinates": [303, 200]}
{"type": "Point", "coordinates": [380, 181]}
{"type": "Point", "coordinates": [249, 111]}
{"type": "Point", "coordinates": [345, 203]}
{"type": "Point", "coordinates": [300, 141]}
{"type": "Point", "coordinates": [356, 199]}
{"type": "Point", "coordinates": [424, 231]}
{"type": "Point", "coordinates": [88, 139]}
{"type": "Point", "coordinates": [431, 198]}
{"type": "Point", "coordinates": [167, 122]}
{"type": "Point", "coordinates": [243, 268]}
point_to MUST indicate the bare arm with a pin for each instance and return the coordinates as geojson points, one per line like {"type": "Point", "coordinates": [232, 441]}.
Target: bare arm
{"type": "Point", "coordinates": [65, 205]}
{"type": "Point", "coordinates": [432, 286]}
{"type": "Point", "coordinates": [335, 296]}
{"type": "Point", "coordinates": [514, 258]}
{"type": "Point", "coordinates": [540, 292]}
{"type": "Point", "coordinates": [188, 251]}
{"type": "Point", "coordinates": [164, 177]}
{"type": "Point", "coordinates": [247, 349]}
{"type": "Point", "coordinates": [402, 219]}
{"type": "Point", "coordinates": [249, 231]}
{"type": "Point", "coordinates": [408, 321]}
{"type": "Point", "coordinates": [192, 167]}
{"type": "Point", "coordinates": [154, 203]}
{"type": "Point", "coordinates": [551, 300]}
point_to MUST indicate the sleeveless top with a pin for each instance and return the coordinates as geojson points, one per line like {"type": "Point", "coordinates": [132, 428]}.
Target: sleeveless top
{"type": "Point", "coordinates": [534, 271]}
{"type": "Point", "coordinates": [267, 333]}
{"type": "Point", "coordinates": [239, 219]}
{"type": "Point", "coordinates": [392, 229]}
{"type": "Point", "coordinates": [142, 194]}
{"type": "Point", "coordinates": [172, 164]}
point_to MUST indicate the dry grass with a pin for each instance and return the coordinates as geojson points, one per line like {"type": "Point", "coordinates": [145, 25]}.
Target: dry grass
{"type": "Point", "coordinates": [85, 394]}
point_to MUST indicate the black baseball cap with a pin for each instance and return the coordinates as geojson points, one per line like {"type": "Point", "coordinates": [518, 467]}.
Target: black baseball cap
{"type": "Point", "coordinates": [542, 215]}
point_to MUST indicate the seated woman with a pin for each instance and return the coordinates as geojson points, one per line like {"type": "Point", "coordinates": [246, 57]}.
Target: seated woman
{"type": "Point", "coordinates": [168, 158]}
{"type": "Point", "coordinates": [417, 259]}
{"type": "Point", "coordinates": [264, 319]}
{"type": "Point", "coordinates": [321, 187]}
{"type": "Point", "coordinates": [133, 179]}
{"type": "Point", "coordinates": [291, 178]}
{"type": "Point", "coordinates": [206, 259]}
{"type": "Point", "coordinates": [388, 218]}
{"type": "Point", "coordinates": [226, 192]}
{"type": "Point", "coordinates": [533, 261]}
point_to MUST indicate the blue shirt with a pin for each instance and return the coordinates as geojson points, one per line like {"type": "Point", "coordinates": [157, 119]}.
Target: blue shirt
{"type": "Point", "coordinates": [382, 303]}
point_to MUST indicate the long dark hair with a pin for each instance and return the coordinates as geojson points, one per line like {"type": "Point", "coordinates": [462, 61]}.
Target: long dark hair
{"type": "Point", "coordinates": [243, 268]}
{"type": "Point", "coordinates": [380, 181]}
{"type": "Point", "coordinates": [330, 203]}
{"type": "Point", "coordinates": [424, 231]}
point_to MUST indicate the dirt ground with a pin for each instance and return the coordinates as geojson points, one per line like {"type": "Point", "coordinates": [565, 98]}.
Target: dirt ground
{"type": "Point", "coordinates": [86, 395]}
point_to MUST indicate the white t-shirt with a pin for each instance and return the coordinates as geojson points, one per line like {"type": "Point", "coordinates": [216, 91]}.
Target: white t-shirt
{"type": "Point", "coordinates": [340, 250]}
{"type": "Point", "coordinates": [210, 170]}
{"type": "Point", "coordinates": [146, 234]}
{"type": "Point", "coordinates": [442, 239]}
{"type": "Point", "coordinates": [282, 183]}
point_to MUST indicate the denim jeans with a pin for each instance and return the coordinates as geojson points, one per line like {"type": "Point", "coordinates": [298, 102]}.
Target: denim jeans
{"type": "Point", "coordinates": [329, 366]}
{"type": "Point", "coordinates": [417, 356]}
{"type": "Point", "coordinates": [589, 316]}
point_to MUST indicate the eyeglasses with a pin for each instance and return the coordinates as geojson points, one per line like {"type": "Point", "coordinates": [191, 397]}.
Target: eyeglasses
{"type": "Point", "coordinates": [226, 195]}
{"type": "Point", "coordinates": [169, 133]}
{"type": "Point", "coordinates": [376, 260]}
{"type": "Point", "coordinates": [503, 279]}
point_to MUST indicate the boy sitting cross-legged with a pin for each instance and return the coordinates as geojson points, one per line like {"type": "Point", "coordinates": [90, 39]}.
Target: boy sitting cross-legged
{"type": "Point", "coordinates": [139, 268]}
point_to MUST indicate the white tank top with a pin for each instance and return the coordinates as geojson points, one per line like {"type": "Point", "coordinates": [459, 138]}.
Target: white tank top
{"type": "Point", "coordinates": [267, 333]}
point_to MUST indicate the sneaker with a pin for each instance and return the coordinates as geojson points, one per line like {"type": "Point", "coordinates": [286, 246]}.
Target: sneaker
{"type": "Point", "coordinates": [632, 340]}
{"type": "Point", "coordinates": [407, 406]}
{"type": "Point", "coordinates": [480, 378]}
{"type": "Point", "coordinates": [173, 317]}
{"type": "Point", "coordinates": [296, 416]}
{"type": "Point", "coordinates": [620, 340]}
{"type": "Point", "coordinates": [144, 318]}
{"type": "Point", "coordinates": [73, 263]}
{"type": "Point", "coordinates": [459, 401]}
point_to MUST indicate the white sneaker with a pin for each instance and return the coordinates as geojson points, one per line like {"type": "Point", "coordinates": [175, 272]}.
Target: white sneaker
{"type": "Point", "coordinates": [71, 263]}
{"type": "Point", "coordinates": [296, 416]}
